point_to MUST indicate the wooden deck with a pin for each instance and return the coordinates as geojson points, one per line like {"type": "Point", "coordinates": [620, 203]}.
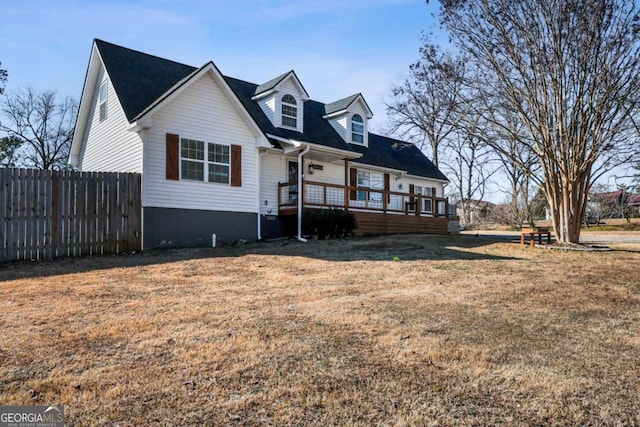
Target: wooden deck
{"type": "Point", "coordinates": [376, 211]}
{"type": "Point", "coordinates": [375, 223]}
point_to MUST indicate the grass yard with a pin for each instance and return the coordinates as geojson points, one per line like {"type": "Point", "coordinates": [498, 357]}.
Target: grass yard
{"type": "Point", "coordinates": [455, 331]}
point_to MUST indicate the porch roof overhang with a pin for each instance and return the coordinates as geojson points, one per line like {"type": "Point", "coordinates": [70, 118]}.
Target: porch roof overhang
{"type": "Point", "coordinates": [316, 151]}
{"type": "Point", "coordinates": [397, 172]}
{"type": "Point", "coordinates": [444, 181]}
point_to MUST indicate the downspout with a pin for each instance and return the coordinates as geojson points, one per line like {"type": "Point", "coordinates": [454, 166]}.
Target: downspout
{"type": "Point", "coordinates": [260, 154]}
{"type": "Point", "coordinates": [301, 192]}
{"type": "Point", "coordinates": [143, 188]}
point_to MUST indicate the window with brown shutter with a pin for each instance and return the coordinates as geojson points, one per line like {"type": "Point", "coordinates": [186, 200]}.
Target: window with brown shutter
{"type": "Point", "coordinates": [172, 154]}
{"type": "Point", "coordinates": [387, 186]}
{"type": "Point", "coordinates": [412, 200]}
{"type": "Point", "coordinates": [236, 166]}
{"type": "Point", "coordinates": [353, 182]}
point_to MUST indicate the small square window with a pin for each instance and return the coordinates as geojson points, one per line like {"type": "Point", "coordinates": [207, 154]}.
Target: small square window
{"type": "Point", "coordinates": [192, 170]}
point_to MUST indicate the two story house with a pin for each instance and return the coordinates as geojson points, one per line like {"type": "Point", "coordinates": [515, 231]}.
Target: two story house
{"type": "Point", "coordinates": [219, 155]}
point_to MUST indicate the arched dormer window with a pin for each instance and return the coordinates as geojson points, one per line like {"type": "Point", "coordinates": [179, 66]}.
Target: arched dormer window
{"type": "Point", "coordinates": [357, 129]}
{"type": "Point", "coordinates": [289, 111]}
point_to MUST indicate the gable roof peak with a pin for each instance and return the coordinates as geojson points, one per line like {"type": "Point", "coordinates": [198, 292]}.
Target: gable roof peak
{"type": "Point", "coordinates": [266, 88]}
{"type": "Point", "coordinates": [102, 44]}
{"type": "Point", "coordinates": [342, 105]}
{"type": "Point", "coordinates": [137, 77]}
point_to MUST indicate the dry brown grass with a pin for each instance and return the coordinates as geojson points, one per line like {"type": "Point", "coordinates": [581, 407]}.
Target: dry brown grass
{"type": "Point", "coordinates": [459, 331]}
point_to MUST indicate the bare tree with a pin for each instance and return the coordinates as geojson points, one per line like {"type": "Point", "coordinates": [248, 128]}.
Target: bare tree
{"type": "Point", "coordinates": [519, 166]}
{"type": "Point", "coordinates": [44, 124]}
{"type": "Point", "coordinates": [467, 163]}
{"type": "Point", "coordinates": [569, 72]}
{"type": "Point", "coordinates": [636, 177]}
{"type": "Point", "coordinates": [421, 108]}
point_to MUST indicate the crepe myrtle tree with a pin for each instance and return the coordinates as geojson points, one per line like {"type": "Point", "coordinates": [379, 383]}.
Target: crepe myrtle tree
{"type": "Point", "coordinates": [559, 77]}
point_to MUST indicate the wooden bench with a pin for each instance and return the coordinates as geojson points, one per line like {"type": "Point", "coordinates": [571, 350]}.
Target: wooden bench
{"type": "Point", "coordinates": [533, 232]}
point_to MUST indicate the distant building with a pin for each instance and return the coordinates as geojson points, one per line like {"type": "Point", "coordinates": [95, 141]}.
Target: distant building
{"type": "Point", "coordinates": [473, 211]}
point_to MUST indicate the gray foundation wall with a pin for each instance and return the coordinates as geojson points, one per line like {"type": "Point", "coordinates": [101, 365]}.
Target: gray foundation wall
{"type": "Point", "coordinates": [273, 226]}
{"type": "Point", "coordinates": [184, 228]}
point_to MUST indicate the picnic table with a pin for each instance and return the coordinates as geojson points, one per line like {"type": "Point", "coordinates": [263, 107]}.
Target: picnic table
{"type": "Point", "coordinates": [533, 232]}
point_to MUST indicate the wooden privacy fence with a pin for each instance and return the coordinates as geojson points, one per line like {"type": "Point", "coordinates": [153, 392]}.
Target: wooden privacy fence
{"type": "Point", "coordinates": [48, 214]}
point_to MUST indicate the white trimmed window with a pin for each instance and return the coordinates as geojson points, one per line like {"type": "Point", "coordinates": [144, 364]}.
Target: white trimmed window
{"type": "Point", "coordinates": [372, 180]}
{"type": "Point", "coordinates": [289, 110]}
{"type": "Point", "coordinates": [102, 101]}
{"type": "Point", "coordinates": [427, 204]}
{"type": "Point", "coordinates": [193, 166]}
{"type": "Point", "coordinates": [357, 129]}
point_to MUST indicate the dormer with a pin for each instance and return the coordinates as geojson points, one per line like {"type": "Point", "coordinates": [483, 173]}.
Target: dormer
{"type": "Point", "coordinates": [349, 117]}
{"type": "Point", "coordinates": [282, 100]}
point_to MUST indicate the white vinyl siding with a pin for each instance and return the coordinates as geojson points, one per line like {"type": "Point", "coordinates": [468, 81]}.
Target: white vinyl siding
{"type": "Point", "coordinates": [340, 125]}
{"type": "Point", "coordinates": [417, 182]}
{"type": "Point", "coordinates": [201, 112]}
{"type": "Point", "coordinates": [272, 171]}
{"type": "Point", "coordinates": [268, 106]}
{"type": "Point", "coordinates": [352, 131]}
{"type": "Point", "coordinates": [108, 145]}
{"type": "Point", "coordinates": [331, 173]}
{"type": "Point", "coordinates": [272, 105]}
{"type": "Point", "coordinates": [288, 87]}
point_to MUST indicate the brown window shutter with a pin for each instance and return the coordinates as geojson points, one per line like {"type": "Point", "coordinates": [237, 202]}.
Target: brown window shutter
{"type": "Point", "coordinates": [412, 200]}
{"type": "Point", "coordinates": [353, 182]}
{"type": "Point", "coordinates": [236, 166]}
{"type": "Point", "coordinates": [173, 156]}
{"type": "Point", "coordinates": [433, 191]}
{"type": "Point", "coordinates": [387, 186]}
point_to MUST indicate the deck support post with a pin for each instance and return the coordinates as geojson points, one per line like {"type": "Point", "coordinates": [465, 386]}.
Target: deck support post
{"type": "Point", "coordinates": [301, 190]}
{"type": "Point", "coordinates": [346, 184]}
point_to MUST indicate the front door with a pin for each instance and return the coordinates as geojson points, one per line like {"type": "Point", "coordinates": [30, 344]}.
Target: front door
{"type": "Point", "coordinates": [293, 178]}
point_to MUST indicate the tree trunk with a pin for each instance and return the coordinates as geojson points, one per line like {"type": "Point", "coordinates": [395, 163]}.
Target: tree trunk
{"type": "Point", "coordinates": [568, 201]}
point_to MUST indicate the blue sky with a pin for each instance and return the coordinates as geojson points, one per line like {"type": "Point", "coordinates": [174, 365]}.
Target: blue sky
{"type": "Point", "coordinates": [337, 47]}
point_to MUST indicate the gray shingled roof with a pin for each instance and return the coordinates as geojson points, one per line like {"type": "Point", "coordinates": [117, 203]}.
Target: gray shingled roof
{"type": "Point", "coordinates": [395, 154]}
{"type": "Point", "coordinates": [343, 104]}
{"type": "Point", "coordinates": [340, 105]}
{"type": "Point", "coordinates": [271, 83]}
{"type": "Point", "coordinates": [316, 129]}
{"type": "Point", "coordinates": [140, 80]}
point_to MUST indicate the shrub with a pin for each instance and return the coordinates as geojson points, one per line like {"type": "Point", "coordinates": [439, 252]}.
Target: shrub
{"type": "Point", "coordinates": [328, 223]}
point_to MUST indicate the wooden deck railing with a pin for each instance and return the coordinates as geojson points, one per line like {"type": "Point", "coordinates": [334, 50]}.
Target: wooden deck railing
{"type": "Point", "coordinates": [324, 195]}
